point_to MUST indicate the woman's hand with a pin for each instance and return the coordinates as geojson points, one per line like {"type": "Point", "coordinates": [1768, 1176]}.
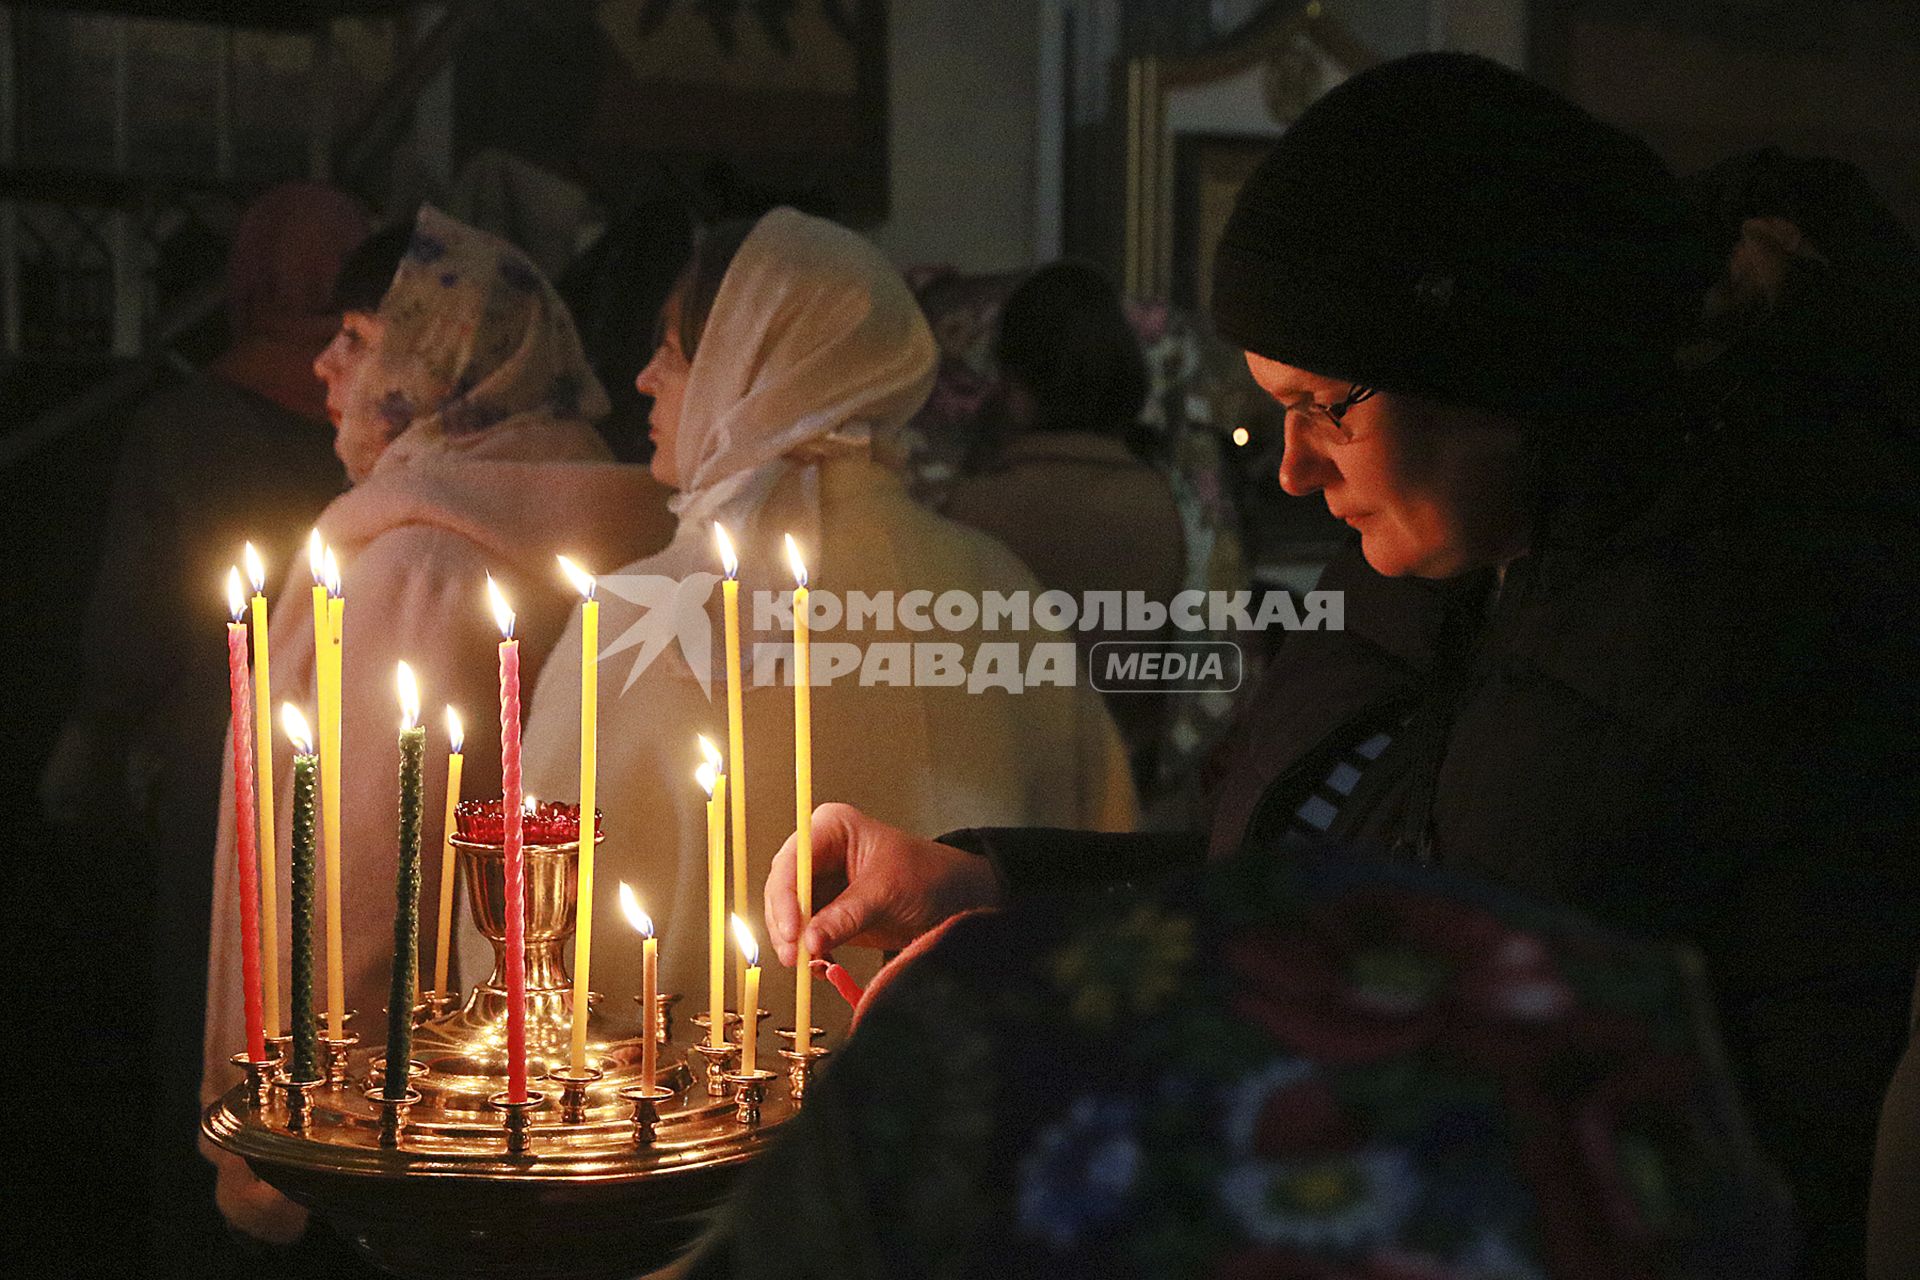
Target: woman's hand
{"type": "Point", "coordinates": [873, 885]}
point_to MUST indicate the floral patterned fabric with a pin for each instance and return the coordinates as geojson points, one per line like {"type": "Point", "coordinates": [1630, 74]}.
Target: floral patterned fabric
{"type": "Point", "coordinates": [1321, 1070]}
{"type": "Point", "coordinates": [475, 336]}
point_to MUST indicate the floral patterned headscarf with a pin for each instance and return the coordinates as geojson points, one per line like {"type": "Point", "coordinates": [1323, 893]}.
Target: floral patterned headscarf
{"type": "Point", "coordinates": [475, 338]}
{"type": "Point", "coordinates": [1293, 1067]}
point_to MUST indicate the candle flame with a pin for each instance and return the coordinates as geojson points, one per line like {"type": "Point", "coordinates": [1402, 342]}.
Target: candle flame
{"type": "Point", "coordinates": [707, 776]}
{"type": "Point", "coordinates": [1241, 435]}
{"type": "Point", "coordinates": [630, 907]}
{"type": "Point", "coordinates": [502, 611]}
{"type": "Point", "coordinates": [728, 560]}
{"type": "Point", "coordinates": [333, 576]}
{"type": "Point", "coordinates": [529, 804]}
{"type": "Point", "coordinates": [236, 598]}
{"type": "Point", "coordinates": [409, 697]}
{"type": "Point", "coordinates": [582, 580]}
{"type": "Point", "coordinates": [793, 558]}
{"type": "Point", "coordinates": [712, 753]}
{"type": "Point", "coordinates": [317, 558]}
{"type": "Point", "coordinates": [456, 733]}
{"type": "Point", "coordinates": [743, 938]}
{"type": "Point", "coordinates": [256, 569]}
{"type": "Point", "coordinates": [296, 729]}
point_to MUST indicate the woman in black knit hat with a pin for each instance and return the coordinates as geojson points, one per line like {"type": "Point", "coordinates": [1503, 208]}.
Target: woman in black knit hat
{"type": "Point", "coordinates": [1632, 620]}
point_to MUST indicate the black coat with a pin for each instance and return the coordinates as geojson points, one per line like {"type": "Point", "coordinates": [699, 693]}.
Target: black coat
{"type": "Point", "coordinates": [1692, 718]}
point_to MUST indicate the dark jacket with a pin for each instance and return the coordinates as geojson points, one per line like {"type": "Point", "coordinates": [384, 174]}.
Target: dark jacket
{"type": "Point", "coordinates": [1689, 714]}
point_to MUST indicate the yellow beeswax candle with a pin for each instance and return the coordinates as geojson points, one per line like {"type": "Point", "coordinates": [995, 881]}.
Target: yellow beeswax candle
{"type": "Point", "coordinates": [443, 938]}
{"type": "Point", "coordinates": [589, 751]}
{"type": "Point", "coordinates": [330, 774]}
{"type": "Point", "coordinates": [269, 848]}
{"type": "Point", "coordinates": [749, 1014]}
{"type": "Point", "coordinates": [710, 778]}
{"type": "Point", "coordinates": [649, 983]}
{"type": "Point", "coordinates": [802, 800]}
{"type": "Point", "coordinates": [736, 722]}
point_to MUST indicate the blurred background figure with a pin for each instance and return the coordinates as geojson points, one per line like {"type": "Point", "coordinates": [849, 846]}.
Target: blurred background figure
{"type": "Point", "coordinates": [1064, 473]}
{"type": "Point", "coordinates": [240, 450]}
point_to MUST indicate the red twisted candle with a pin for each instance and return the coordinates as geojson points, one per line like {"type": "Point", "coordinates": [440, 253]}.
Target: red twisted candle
{"type": "Point", "coordinates": [239, 692]}
{"type": "Point", "coordinates": [516, 857]}
{"type": "Point", "coordinates": [842, 981]}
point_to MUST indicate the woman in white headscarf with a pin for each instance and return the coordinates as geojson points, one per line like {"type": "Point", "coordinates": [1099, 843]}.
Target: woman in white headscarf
{"type": "Point", "coordinates": [788, 346]}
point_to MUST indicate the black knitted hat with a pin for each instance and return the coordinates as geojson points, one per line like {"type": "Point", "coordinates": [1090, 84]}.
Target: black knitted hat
{"type": "Point", "coordinates": [1442, 226]}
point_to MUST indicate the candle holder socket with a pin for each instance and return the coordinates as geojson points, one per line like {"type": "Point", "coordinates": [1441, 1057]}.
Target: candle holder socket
{"type": "Point", "coordinates": [260, 1074]}
{"type": "Point", "coordinates": [440, 1003]}
{"type": "Point", "coordinates": [646, 1100]}
{"type": "Point", "coordinates": [750, 1090]}
{"type": "Point", "coordinates": [393, 1112]}
{"type": "Point", "coordinates": [518, 1118]}
{"type": "Point", "coordinates": [786, 1035]}
{"type": "Point", "coordinates": [299, 1095]}
{"type": "Point", "coordinates": [336, 1059]}
{"type": "Point", "coordinates": [800, 1067]}
{"type": "Point", "coordinates": [729, 1024]}
{"type": "Point", "coordinates": [663, 1014]}
{"type": "Point", "coordinates": [280, 1049]}
{"type": "Point", "coordinates": [377, 1071]}
{"type": "Point", "coordinates": [573, 1091]}
{"type": "Point", "coordinates": [719, 1057]}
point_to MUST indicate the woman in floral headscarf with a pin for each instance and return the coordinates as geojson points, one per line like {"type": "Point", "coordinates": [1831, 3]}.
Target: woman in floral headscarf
{"type": "Point", "coordinates": [789, 346]}
{"type": "Point", "coordinates": [464, 412]}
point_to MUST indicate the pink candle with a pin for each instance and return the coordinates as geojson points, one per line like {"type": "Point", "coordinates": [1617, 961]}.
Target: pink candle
{"type": "Point", "coordinates": [239, 693]}
{"type": "Point", "coordinates": [516, 858]}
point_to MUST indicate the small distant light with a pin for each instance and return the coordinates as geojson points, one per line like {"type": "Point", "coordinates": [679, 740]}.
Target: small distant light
{"type": "Point", "coordinates": [1241, 435]}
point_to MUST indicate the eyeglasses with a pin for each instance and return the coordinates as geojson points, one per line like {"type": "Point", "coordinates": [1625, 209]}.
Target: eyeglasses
{"type": "Point", "coordinates": [1329, 421]}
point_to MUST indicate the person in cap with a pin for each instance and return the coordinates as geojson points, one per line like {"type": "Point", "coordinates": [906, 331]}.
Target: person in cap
{"type": "Point", "coordinates": [1631, 620]}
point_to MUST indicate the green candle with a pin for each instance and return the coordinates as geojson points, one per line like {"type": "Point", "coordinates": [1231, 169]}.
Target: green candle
{"type": "Point", "coordinates": [306, 1044]}
{"type": "Point", "coordinates": [406, 911]}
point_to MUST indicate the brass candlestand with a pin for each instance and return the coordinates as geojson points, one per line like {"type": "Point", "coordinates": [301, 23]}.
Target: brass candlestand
{"type": "Point", "coordinates": [608, 1176]}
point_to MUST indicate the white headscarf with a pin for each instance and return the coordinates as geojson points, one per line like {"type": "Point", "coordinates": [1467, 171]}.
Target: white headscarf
{"type": "Point", "coordinates": [814, 345]}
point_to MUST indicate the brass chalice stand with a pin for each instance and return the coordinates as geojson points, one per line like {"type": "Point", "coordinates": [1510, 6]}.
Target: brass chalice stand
{"type": "Point", "coordinates": [597, 1177]}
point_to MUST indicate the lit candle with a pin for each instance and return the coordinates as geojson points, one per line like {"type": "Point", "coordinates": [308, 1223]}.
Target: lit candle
{"type": "Point", "coordinates": [802, 799]}
{"type": "Point", "coordinates": [649, 982]}
{"type": "Point", "coordinates": [516, 857]}
{"type": "Point", "coordinates": [306, 1047]}
{"type": "Point", "coordinates": [713, 782]}
{"type": "Point", "coordinates": [243, 817]}
{"type": "Point", "coordinates": [328, 616]}
{"type": "Point", "coordinates": [406, 893]}
{"type": "Point", "coordinates": [456, 738]}
{"type": "Point", "coordinates": [750, 1021]}
{"type": "Point", "coordinates": [589, 751]}
{"type": "Point", "coordinates": [736, 722]}
{"type": "Point", "coordinates": [269, 845]}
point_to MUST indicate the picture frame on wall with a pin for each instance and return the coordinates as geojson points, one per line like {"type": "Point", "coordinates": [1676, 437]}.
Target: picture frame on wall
{"type": "Point", "coordinates": [1208, 171]}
